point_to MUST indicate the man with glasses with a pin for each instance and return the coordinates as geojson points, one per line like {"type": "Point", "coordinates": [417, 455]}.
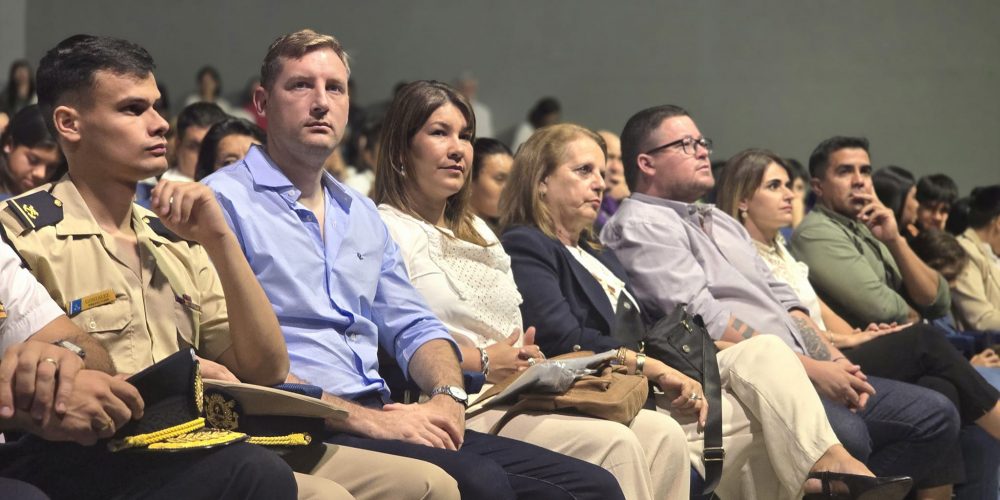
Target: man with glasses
{"type": "Point", "coordinates": [678, 251]}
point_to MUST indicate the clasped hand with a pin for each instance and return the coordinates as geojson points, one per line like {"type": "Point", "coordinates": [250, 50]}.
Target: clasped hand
{"type": "Point", "coordinates": [65, 401]}
{"type": "Point", "coordinates": [438, 423]}
{"type": "Point", "coordinates": [506, 359]}
{"type": "Point", "coordinates": [841, 381]}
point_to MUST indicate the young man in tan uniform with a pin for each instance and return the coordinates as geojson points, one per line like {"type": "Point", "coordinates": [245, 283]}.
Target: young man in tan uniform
{"type": "Point", "coordinates": [146, 286]}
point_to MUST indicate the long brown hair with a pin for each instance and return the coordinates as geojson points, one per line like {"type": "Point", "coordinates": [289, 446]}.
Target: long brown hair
{"type": "Point", "coordinates": [412, 106]}
{"type": "Point", "coordinates": [741, 177]}
{"type": "Point", "coordinates": [520, 201]}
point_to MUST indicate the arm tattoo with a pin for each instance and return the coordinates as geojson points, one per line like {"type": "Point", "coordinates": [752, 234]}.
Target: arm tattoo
{"type": "Point", "coordinates": [814, 345]}
{"type": "Point", "coordinates": [744, 330]}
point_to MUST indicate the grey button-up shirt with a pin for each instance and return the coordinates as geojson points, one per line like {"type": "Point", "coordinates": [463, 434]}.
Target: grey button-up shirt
{"type": "Point", "coordinates": [695, 254]}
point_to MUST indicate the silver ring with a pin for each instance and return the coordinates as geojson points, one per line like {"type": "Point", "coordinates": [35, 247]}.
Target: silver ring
{"type": "Point", "coordinates": [531, 361]}
{"type": "Point", "coordinates": [694, 396]}
{"type": "Point", "coordinates": [170, 201]}
{"type": "Point", "coordinates": [50, 360]}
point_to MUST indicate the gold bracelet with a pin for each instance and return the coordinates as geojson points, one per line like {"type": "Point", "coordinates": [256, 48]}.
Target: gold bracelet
{"type": "Point", "coordinates": [622, 352]}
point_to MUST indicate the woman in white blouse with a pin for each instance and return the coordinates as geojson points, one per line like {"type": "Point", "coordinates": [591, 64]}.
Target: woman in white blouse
{"type": "Point", "coordinates": [457, 263]}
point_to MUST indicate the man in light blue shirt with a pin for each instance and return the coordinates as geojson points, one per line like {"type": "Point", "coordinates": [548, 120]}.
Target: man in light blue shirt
{"type": "Point", "coordinates": [340, 291]}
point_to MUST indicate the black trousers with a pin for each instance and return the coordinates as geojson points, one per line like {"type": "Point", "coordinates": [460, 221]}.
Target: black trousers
{"type": "Point", "coordinates": [494, 467]}
{"type": "Point", "coordinates": [70, 471]}
{"type": "Point", "coordinates": [922, 355]}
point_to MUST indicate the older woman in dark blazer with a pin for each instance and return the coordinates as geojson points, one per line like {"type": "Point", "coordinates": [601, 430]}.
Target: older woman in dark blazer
{"type": "Point", "coordinates": [573, 292]}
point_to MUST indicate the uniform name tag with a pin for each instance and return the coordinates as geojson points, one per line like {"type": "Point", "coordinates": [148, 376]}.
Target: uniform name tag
{"type": "Point", "coordinates": [90, 301]}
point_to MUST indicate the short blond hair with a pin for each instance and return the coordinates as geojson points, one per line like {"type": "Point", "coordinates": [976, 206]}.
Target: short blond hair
{"type": "Point", "coordinates": [521, 202]}
{"type": "Point", "coordinates": [295, 46]}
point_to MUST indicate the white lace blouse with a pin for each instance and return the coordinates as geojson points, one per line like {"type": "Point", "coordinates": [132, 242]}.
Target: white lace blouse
{"type": "Point", "coordinates": [794, 273]}
{"type": "Point", "coordinates": [470, 288]}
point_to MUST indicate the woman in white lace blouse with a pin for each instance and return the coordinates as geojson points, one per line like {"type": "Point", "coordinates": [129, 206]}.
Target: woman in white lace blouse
{"type": "Point", "coordinates": [457, 263]}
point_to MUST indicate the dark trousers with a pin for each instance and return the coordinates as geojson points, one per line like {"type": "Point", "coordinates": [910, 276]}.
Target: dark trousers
{"type": "Point", "coordinates": [903, 430]}
{"type": "Point", "coordinates": [922, 355]}
{"type": "Point", "coordinates": [494, 467]}
{"type": "Point", "coordinates": [66, 470]}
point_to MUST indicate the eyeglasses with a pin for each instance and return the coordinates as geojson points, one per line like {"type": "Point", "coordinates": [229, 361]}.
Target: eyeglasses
{"type": "Point", "coordinates": [688, 144]}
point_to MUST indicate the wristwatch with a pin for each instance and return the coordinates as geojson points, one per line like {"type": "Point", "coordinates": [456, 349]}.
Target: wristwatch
{"type": "Point", "coordinates": [71, 347]}
{"type": "Point", "coordinates": [456, 393]}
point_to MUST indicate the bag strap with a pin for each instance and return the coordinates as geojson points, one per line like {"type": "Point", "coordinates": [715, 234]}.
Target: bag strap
{"type": "Point", "coordinates": [713, 454]}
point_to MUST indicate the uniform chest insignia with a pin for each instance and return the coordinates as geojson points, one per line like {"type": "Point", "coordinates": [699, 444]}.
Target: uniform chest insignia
{"type": "Point", "coordinates": [36, 210]}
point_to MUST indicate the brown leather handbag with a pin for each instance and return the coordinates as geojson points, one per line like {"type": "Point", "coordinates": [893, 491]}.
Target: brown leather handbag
{"type": "Point", "coordinates": [610, 392]}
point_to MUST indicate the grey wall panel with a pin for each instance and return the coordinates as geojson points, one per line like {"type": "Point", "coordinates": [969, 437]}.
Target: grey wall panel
{"type": "Point", "coordinates": [919, 77]}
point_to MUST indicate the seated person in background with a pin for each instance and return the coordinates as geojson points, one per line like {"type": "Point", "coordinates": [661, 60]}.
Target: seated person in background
{"type": "Point", "coordinates": [491, 161]}
{"type": "Point", "coordinates": [936, 194]}
{"type": "Point", "coordinates": [617, 188]}
{"type": "Point", "coordinates": [193, 123]}
{"type": "Point", "coordinates": [340, 289]}
{"type": "Point", "coordinates": [29, 156]}
{"type": "Point", "coordinates": [226, 142]}
{"type": "Point", "coordinates": [572, 289]}
{"type": "Point", "coordinates": [678, 252]}
{"type": "Point", "coordinates": [896, 189]}
{"type": "Point", "coordinates": [145, 286]}
{"type": "Point", "coordinates": [958, 217]}
{"type": "Point", "coordinates": [859, 263]}
{"type": "Point", "coordinates": [754, 188]}
{"type": "Point", "coordinates": [361, 175]}
{"type": "Point", "coordinates": [46, 389]}
{"type": "Point", "coordinates": [976, 291]}
{"type": "Point", "coordinates": [455, 261]}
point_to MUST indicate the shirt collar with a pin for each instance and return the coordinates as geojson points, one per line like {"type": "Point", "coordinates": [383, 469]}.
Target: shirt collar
{"type": "Point", "coordinates": [837, 217]}
{"type": "Point", "coordinates": [266, 174]}
{"type": "Point", "coordinates": [686, 210]}
{"type": "Point", "coordinates": [77, 220]}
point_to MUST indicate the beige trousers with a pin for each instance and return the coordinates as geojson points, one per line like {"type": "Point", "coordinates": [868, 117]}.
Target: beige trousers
{"type": "Point", "coordinates": [343, 473]}
{"type": "Point", "coordinates": [772, 421]}
{"type": "Point", "coordinates": [648, 457]}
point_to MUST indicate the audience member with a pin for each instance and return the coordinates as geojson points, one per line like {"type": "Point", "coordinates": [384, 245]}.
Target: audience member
{"type": "Point", "coordinates": [942, 252]}
{"type": "Point", "coordinates": [20, 89]}
{"type": "Point", "coordinates": [800, 192]}
{"type": "Point", "coordinates": [546, 111]}
{"type": "Point", "coordinates": [193, 123]}
{"type": "Point", "coordinates": [340, 289]}
{"type": "Point", "coordinates": [573, 289]}
{"type": "Point", "coordinates": [491, 163]}
{"type": "Point", "coordinates": [4, 121]}
{"type": "Point", "coordinates": [976, 291]}
{"type": "Point", "coordinates": [29, 156]}
{"type": "Point", "coordinates": [617, 188]}
{"type": "Point", "coordinates": [936, 193]}
{"type": "Point", "coordinates": [151, 283]}
{"type": "Point", "coordinates": [859, 263]}
{"type": "Point", "coordinates": [756, 189]}
{"type": "Point", "coordinates": [896, 188]}
{"type": "Point", "coordinates": [209, 90]}
{"type": "Point", "coordinates": [226, 142]}
{"type": "Point", "coordinates": [468, 85]}
{"type": "Point", "coordinates": [678, 252]}
{"type": "Point", "coordinates": [361, 175]}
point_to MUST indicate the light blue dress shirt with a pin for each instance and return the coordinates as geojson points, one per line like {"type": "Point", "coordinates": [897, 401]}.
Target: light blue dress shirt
{"type": "Point", "coordinates": [337, 298]}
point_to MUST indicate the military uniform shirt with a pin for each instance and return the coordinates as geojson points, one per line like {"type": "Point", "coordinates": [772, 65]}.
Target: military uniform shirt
{"type": "Point", "coordinates": [175, 300]}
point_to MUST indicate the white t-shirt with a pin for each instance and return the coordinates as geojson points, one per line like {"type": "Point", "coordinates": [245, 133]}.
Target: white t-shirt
{"type": "Point", "coordinates": [26, 304]}
{"type": "Point", "coordinates": [468, 287]}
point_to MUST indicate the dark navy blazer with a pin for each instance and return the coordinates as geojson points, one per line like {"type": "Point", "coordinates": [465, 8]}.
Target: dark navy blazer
{"type": "Point", "coordinates": [562, 300]}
